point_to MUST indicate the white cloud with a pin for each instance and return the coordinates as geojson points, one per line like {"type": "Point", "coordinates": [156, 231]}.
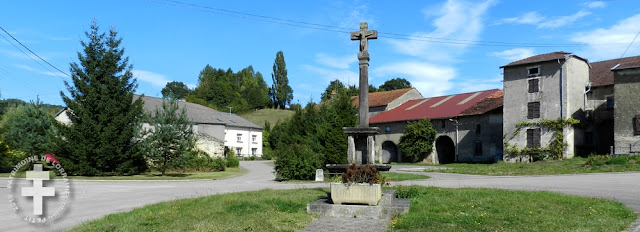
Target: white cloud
{"type": "Point", "coordinates": [514, 54]}
{"type": "Point", "coordinates": [336, 62]}
{"type": "Point", "coordinates": [609, 43]}
{"type": "Point", "coordinates": [472, 85]}
{"type": "Point", "coordinates": [596, 4]}
{"type": "Point", "coordinates": [47, 73]}
{"type": "Point", "coordinates": [563, 20]}
{"type": "Point", "coordinates": [344, 75]}
{"type": "Point", "coordinates": [527, 18]}
{"type": "Point", "coordinates": [429, 79]}
{"type": "Point", "coordinates": [533, 18]}
{"type": "Point", "coordinates": [456, 20]}
{"type": "Point", "coordinates": [151, 77]}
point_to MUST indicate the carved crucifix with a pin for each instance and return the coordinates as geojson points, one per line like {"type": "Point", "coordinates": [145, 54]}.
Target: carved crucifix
{"type": "Point", "coordinates": [364, 35]}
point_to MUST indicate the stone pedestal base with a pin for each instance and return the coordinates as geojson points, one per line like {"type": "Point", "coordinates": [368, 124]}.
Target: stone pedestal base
{"type": "Point", "coordinates": [388, 206]}
{"type": "Point", "coordinates": [361, 145]}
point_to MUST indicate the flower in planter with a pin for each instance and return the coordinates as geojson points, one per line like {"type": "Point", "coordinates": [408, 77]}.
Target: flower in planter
{"type": "Point", "coordinates": [362, 174]}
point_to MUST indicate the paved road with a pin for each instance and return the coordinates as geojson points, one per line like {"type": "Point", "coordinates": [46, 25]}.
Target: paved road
{"type": "Point", "coordinates": [94, 199]}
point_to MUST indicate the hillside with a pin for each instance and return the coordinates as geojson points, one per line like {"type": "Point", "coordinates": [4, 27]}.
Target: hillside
{"type": "Point", "coordinates": [273, 116]}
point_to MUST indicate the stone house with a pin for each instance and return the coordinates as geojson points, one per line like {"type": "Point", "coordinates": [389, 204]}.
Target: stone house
{"type": "Point", "coordinates": [599, 134]}
{"type": "Point", "coordinates": [562, 85]}
{"type": "Point", "coordinates": [468, 125]}
{"type": "Point", "coordinates": [214, 130]}
{"type": "Point", "coordinates": [627, 107]}
{"type": "Point", "coordinates": [547, 86]}
{"type": "Point", "coordinates": [388, 100]}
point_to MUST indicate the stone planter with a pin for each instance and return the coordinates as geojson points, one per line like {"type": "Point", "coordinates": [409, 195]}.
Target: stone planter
{"type": "Point", "coordinates": [365, 193]}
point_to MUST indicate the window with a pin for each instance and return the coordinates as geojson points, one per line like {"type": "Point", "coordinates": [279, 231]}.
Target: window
{"type": "Point", "coordinates": [610, 102]}
{"type": "Point", "coordinates": [239, 138]}
{"type": "Point", "coordinates": [254, 151]}
{"type": "Point", "coordinates": [477, 148]}
{"type": "Point", "coordinates": [533, 110]}
{"type": "Point", "coordinates": [238, 151]}
{"type": "Point", "coordinates": [636, 125]}
{"type": "Point", "coordinates": [478, 131]}
{"type": "Point", "coordinates": [533, 137]}
{"type": "Point", "coordinates": [254, 138]}
{"type": "Point", "coordinates": [534, 85]}
{"type": "Point", "coordinates": [533, 71]}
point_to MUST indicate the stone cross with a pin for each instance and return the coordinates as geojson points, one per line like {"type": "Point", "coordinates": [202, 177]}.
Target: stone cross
{"type": "Point", "coordinates": [364, 35]}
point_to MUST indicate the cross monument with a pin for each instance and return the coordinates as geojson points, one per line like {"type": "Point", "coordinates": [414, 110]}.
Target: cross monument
{"type": "Point", "coordinates": [364, 35]}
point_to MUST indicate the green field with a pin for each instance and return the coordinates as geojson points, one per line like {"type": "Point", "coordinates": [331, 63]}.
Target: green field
{"type": "Point", "coordinates": [273, 116]}
{"type": "Point", "coordinates": [432, 209]}
{"type": "Point", "coordinates": [470, 209]}
{"type": "Point", "coordinates": [576, 165]}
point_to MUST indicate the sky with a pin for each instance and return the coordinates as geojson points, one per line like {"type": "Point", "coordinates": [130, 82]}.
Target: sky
{"type": "Point", "coordinates": [441, 47]}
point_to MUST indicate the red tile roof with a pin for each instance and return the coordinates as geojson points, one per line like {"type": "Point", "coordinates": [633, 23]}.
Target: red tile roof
{"type": "Point", "coordinates": [539, 58]}
{"type": "Point", "coordinates": [439, 107]}
{"type": "Point", "coordinates": [600, 73]}
{"type": "Point", "coordinates": [492, 102]}
{"type": "Point", "coordinates": [383, 98]}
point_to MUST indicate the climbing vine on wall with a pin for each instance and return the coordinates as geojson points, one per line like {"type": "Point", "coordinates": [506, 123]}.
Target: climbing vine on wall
{"type": "Point", "coordinates": [555, 148]}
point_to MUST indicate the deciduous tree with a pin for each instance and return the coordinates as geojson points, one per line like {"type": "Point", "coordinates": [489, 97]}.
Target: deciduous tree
{"type": "Point", "coordinates": [280, 92]}
{"type": "Point", "coordinates": [395, 83]}
{"type": "Point", "coordinates": [417, 140]}
{"type": "Point", "coordinates": [175, 90]}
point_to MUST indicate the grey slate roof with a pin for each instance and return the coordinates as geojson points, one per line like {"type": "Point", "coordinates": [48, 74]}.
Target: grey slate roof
{"type": "Point", "coordinates": [200, 114]}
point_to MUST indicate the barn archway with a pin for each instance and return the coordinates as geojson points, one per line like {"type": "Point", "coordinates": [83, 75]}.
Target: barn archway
{"type": "Point", "coordinates": [446, 150]}
{"type": "Point", "coordinates": [389, 152]}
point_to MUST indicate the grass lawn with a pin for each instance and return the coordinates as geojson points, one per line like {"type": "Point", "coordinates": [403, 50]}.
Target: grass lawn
{"type": "Point", "coordinates": [266, 210]}
{"type": "Point", "coordinates": [230, 172]}
{"type": "Point", "coordinates": [439, 209]}
{"type": "Point", "coordinates": [432, 209]}
{"type": "Point", "coordinates": [567, 166]}
{"type": "Point", "coordinates": [273, 116]}
{"type": "Point", "coordinates": [394, 176]}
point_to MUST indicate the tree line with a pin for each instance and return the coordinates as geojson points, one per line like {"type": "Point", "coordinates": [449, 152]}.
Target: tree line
{"type": "Point", "coordinates": [241, 91]}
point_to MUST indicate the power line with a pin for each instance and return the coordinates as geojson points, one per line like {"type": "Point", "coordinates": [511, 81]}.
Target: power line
{"type": "Point", "coordinates": [316, 26]}
{"type": "Point", "coordinates": [47, 62]}
{"type": "Point", "coordinates": [634, 40]}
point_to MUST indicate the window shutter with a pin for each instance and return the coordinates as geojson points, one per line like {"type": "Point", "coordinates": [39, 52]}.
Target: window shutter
{"type": "Point", "coordinates": [534, 85]}
{"type": "Point", "coordinates": [533, 110]}
{"type": "Point", "coordinates": [636, 123]}
{"type": "Point", "coordinates": [536, 137]}
{"type": "Point", "coordinates": [533, 137]}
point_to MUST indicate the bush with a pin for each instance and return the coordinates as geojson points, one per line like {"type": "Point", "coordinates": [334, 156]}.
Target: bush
{"type": "Point", "coordinates": [218, 164]}
{"type": "Point", "coordinates": [200, 161]}
{"type": "Point", "coordinates": [297, 162]}
{"type": "Point", "coordinates": [417, 140]}
{"type": "Point", "coordinates": [597, 160]}
{"type": "Point", "coordinates": [232, 161]}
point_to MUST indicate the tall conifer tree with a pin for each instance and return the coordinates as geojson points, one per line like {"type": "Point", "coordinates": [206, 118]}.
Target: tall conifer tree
{"type": "Point", "coordinates": [104, 116]}
{"type": "Point", "coordinates": [281, 93]}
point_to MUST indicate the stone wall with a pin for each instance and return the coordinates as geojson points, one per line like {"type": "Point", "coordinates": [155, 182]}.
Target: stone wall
{"type": "Point", "coordinates": [489, 136]}
{"type": "Point", "coordinates": [210, 145]}
{"type": "Point", "coordinates": [627, 101]}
